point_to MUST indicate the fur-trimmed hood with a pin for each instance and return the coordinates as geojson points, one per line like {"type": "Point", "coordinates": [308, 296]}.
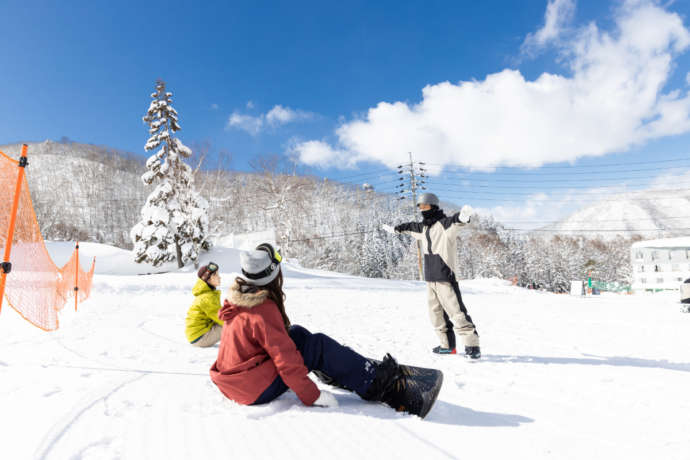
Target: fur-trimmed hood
{"type": "Point", "coordinates": [241, 297]}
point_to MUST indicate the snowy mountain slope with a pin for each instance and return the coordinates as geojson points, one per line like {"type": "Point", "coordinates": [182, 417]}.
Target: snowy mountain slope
{"type": "Point", "coordinates": [561, 377]}
{"type": "Point", "coordinates": [76, 187]}
{"type": "Point", "coordinates": [651, 214]}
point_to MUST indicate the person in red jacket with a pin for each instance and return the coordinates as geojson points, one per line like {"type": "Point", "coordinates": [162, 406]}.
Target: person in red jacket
{"type": "Point", "coordinates": [261, 355]}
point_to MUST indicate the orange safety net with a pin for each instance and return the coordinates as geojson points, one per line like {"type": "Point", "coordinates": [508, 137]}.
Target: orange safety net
{"type": "Point", "coordinates": [35, 287]}
{"type": "Point", "coordinates": [74, 276]}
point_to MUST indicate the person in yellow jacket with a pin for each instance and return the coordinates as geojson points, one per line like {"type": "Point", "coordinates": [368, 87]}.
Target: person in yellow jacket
{"type": "Point", "coordinates": [202, 326]}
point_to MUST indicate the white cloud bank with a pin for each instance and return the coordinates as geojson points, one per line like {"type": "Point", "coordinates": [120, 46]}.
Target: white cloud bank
{"type": "Point", "coordinates": [277, 116]}
{"type": "Point", "coordinates": [614, 98]}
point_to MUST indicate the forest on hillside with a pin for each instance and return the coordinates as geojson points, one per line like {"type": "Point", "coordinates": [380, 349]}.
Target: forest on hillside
{"type": "Point", "coordinates": [90, 193]}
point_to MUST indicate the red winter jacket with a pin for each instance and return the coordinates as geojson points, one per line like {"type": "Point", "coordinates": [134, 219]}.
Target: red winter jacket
{"type": "Point", "coordinates": [255, 348]}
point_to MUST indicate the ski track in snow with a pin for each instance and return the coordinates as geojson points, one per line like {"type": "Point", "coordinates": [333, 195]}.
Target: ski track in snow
{"type": "Point", "coordinates": [560, 377]}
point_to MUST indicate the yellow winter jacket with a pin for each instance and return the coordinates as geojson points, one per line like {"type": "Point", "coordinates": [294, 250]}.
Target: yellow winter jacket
{"type": "Point", "coordinates": [203, 312]}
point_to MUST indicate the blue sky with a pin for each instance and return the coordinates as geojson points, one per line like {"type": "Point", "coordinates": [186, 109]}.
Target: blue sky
{"type": "Point", "coordinates": [257, 78]}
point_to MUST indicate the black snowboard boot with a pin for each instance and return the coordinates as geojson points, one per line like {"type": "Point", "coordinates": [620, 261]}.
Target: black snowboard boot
{"type": "Point", "coordinates": [405, 388]}
{"type": "Point", "coordinates": [473, 352]}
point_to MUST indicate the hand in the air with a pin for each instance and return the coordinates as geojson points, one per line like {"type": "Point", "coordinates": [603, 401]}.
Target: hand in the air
{"type": "Point", "coordinates": [465, 214]}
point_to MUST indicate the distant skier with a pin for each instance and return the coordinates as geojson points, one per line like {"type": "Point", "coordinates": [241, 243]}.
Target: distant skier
{"type": "Point", "coordinates": [438, 234]}
{"type": "Point", "coordinates": [262, 355]}
{"type": "Point", "coordinates": [202, 326]}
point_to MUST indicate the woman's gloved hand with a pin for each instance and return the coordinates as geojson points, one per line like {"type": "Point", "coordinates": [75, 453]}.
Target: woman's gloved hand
{"type": "Point", "coordinates": [326, 399]}
{"type": "Point", "coordinates": [465, 214]}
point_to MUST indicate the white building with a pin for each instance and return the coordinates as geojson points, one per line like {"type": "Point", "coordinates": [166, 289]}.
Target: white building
{"type": "Point", "coordinates": [660, 264]}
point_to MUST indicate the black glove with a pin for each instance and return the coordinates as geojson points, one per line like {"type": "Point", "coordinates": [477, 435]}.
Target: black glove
{"type": "Point", "coordinates": [399, 228]}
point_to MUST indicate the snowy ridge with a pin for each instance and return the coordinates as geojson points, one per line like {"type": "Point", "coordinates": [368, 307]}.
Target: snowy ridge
{"type": "Point", "coordinates": [83, 191]}
{"type": "Point", "coordinates": [118, 379]}
{"type": "Point", "coordinates": [651, 214]}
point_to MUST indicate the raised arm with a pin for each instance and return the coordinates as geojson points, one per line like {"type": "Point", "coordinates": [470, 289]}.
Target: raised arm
{"type": "Point", "coordinates": [454, 223]}
{"type": "Point", "coordinates": [416, 229]}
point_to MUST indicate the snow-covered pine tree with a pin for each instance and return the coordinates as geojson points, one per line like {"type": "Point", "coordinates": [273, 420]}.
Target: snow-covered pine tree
{"type": "Point", "coordinates": [174, 220]}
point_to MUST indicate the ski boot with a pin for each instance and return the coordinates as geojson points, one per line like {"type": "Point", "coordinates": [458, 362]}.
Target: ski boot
{"type": "Point", "coordinates": [472, 353]}
{"type": "Point", "coordinates": [405, 388]}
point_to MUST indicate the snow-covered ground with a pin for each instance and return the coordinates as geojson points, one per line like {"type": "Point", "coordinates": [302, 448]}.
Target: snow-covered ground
{"type": "Point", "coordinates": [561, 377]}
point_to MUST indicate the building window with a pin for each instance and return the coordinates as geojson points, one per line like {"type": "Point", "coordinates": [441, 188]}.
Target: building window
{"type": "Point", "coordinates": [679, 279]}
{"type": "Point", "coordinates": [660, 280]}
{"type": "Point", "coordinates": [656, 268]}
{"type": "Point", "coordinates": [643, 280]}
{"type": "Point", "coordinates": [654, 255]}
{"type": "Point", "coordinates": [640, 255]}
{"type": "Point", "coordinates": [640, 269]}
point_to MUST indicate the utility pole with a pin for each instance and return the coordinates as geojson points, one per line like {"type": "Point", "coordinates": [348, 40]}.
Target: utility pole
{"type": "Point", "coordinates": [415, 181]}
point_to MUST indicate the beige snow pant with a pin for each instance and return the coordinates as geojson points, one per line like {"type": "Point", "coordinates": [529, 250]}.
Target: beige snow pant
{"type": "Point", "coordinates": [444, 297]}
{"type": "Point", "coordinates": [211, 338]}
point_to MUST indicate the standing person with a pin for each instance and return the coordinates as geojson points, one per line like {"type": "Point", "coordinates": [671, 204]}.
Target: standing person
{"type": "Point", "coordinates": [438, 234]}
{"type": "Point", "coordinates": [261, 355]}
{"type": "Point", "coordinates": [202, 326]}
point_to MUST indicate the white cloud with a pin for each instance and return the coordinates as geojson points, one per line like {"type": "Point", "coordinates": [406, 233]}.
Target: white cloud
{"type": "Point", "coordinates": [248, 123]}
{"type": "Point", "coordinates": [671, 181]}
{"type": "Point", "coordinates": [250, 104]}
{"type": "Point", "coordinates": [318, 153]}
{"type": "Point", "coordinates": [280, 115]}
{"type": "Point", "coordinates": [613, 99]}
{"type": "Point", "coordinates": [558, 14]}
{"type": "Point", "coordinates": [275, 117]}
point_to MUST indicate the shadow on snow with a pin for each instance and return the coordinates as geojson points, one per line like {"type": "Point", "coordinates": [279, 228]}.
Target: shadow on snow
{"type": "Point", "coordinates": [593, 360]}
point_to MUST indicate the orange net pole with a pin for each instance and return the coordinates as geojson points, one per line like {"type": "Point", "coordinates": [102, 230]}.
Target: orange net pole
{"type": "Point", "coordinates": [6, 266]}
{"type": "Point", "coordinates": [76, 278]}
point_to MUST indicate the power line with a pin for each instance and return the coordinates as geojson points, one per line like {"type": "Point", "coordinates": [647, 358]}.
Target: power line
{"type": "Point", "coordinates": [579, 192]}
{"type": "Point", "coordinates": [528, 230]}
{"type": "Point", "coordinates": [634, 231]}
{"type": "Point", "coordinates": [598, 220]}
{"type": "Point", "coordinates": [378, 172]}
{"type": "Point", "coordinates": [567, 173]}
{"type": "Point", "coordinates": [549, 199]}
{"type": "Point", "coordinates": [335, 235]}
{"type": "Point", "coordinates": [542, 180]}
{"type": "Point", "coordinates": [668, 160]}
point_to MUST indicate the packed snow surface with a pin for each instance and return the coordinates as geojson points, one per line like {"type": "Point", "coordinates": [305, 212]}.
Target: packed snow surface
{"type": "Point", "coordinates": [561, 377]}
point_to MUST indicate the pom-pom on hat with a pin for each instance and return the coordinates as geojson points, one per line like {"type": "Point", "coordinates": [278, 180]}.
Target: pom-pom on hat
{"type": "Point", "coordinates": [258, 268]}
